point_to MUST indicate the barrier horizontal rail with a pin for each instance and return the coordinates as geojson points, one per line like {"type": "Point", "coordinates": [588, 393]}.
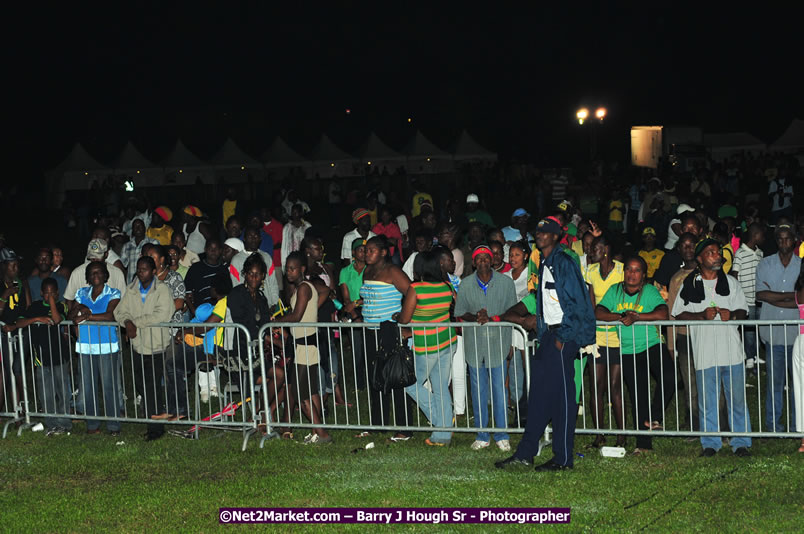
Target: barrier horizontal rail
{"type": "Point", "coordinates": [347, 373]}
{"type": "Point", "coordinates": [108, 381]}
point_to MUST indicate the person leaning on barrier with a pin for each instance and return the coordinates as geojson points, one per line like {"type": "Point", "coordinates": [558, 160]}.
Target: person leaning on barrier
{"type": "Point", "coordinates": [708, 294]}
{"type": "Point", "coordinates": [484, 295]}
{"type": "Point", "coordinates": [304, 382]}
{"type": "Point", "coordinates": [642, 350]}
{"type": "Point", "coordinates": [51, 347]}
{"type": "Point", "coordinates": [428, 300]}
{"type": "Point", "coordinates": [98, 347]}
{"type": "Point", "coordinates": [146, 303]}
{"type": "Point", "coordinates": [564, 323]}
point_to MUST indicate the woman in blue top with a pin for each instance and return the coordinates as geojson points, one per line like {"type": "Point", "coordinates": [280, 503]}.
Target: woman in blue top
{"type": "Point", "coordinates": [98, 347]}
{"type": "Point", "coordinates": [384, 284]}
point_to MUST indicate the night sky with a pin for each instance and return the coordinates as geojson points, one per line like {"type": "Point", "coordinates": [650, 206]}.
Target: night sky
{"type": "Point", "coordinates": [513, 78]}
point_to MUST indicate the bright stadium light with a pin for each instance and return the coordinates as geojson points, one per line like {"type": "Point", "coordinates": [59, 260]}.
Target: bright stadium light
{"type": "Point", "coordinates": [582, 115]}
{"type": "Point", "coordinates": [600, 113]}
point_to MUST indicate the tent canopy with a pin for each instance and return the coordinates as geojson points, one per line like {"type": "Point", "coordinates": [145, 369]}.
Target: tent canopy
{"type": "Point", "coordinates": [420, 147]}
{"type": "Point", "coordinates": [466, 148]}
{"type": "Point", "coordinates": [792, 138]}
{"type": "Point", "coordinates": [327, 151]}
{"type": "Point", "coordinates": [231, 156]}
{"type": "Point", "coordinates": [79, 160]}
{"type": "Point", "coordinates": [180, 157]}
{"type": "Point", "coordinates": [279, 154]}
{"type": "Point", "coordinates": [375, 149]}
{"type": "Point", "coordinates": [132, 160]}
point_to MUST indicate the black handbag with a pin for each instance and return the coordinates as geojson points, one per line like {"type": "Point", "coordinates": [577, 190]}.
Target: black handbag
{"type": "Point", "coordinates": [395, 366]}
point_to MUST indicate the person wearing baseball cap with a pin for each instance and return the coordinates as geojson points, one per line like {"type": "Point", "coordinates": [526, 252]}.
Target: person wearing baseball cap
{"type": "Point", "coordinates": [483, 296]}
{"type": "Point", "coordinates": [708, 293]}
{"type": "Point", "coordinates": [97, 250]}
{"type": "Point", "coordinates": [361, 218]}
{"type": "Point", "coordinates": [159, 229]}
{"type": "Point", "coordinates": [475, 214]}
{"type": "Point", "coordinates": [518, 229]}
{"type": "Point", "coordinates": [674, 227]}
{"type": "Point", "coordinates": [564, 321]}
{"type": "Point", "coordinates": [652, 255]}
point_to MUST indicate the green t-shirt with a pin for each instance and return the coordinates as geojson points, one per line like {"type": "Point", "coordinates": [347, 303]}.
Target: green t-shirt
{"type": "Point", "coordinates": [530, 303]}
{"type": "Point", "coordinates": [640, 336]}
{"type": "Point", "coordinates": [480, 216]}
{"type": "Point", "coordinates": [352, 279]}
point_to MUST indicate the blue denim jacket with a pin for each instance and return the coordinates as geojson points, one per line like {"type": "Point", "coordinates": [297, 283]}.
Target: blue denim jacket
{"type": "Point", "coordinates": [578, 324]}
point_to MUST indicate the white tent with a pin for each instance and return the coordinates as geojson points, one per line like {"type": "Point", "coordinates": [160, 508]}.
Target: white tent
{"type": "Point", "coordinates": [792, 140]}
{"type": "Point", "coordinates": [77, 171]}
{"type": "Point", "coordinates": [234, 165]}
{"type": "Point", "coordinates": [375, 154]}
{"type": "Point", "coordinates": [279, 154]}
{"type": "Point", "coordinates": [423, 157]}
{"type": "Point", "coordinates": [132, 164]}
{"type": "Point", "coordinates": [329, 160]}
{"type": "Point", "coordinates": [723, 145]}
{"type": "Point", "coordinates": [467, 149]}
{"type": "Point", "coordinates": [182, 166]}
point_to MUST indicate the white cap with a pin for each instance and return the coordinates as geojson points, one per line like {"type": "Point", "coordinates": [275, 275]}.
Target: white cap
{"type": "Point", "coordinates": [683, 208]}
{"type": "Point", "coordinates": [235, 243]}
{"type": "Point", "coordinates": [472, 198]}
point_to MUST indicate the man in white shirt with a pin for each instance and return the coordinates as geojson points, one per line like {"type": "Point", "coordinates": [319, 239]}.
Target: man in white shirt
{"type": "Point", "coordinates": [744, 269]}
{"type": "Point", "coordinates": [97, 250]}
{"type": "Point", "coordinates": [780, 194]}
{"type": "Point", "coordinates": [362, 230]}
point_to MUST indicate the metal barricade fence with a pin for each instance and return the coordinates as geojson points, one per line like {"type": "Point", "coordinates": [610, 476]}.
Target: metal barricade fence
{"type": "Point", "coordinates": [695, 379]}
{"type": "Point", "coordinates": [11, 396]}
{"type": "Point", "coordinates": [338, 359]}
{"type": "Point", "coordinates": [107, 380]}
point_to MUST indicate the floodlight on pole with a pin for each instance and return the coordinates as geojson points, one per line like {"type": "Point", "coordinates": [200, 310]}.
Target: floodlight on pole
{"type": "Point", "coordinates": [600, 113]}
{"type": "Point", "coordinates": [582, 115]}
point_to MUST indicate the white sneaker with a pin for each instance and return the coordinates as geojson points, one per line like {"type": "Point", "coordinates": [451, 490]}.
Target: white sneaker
{"type": "Point", "coordinates": [749, 363]}
{"type": "Point", "coordinates": [760, 361]}
{"type": "Point", "coordinates": [477, 445]}
{"type": "Point", "coordinates": [504, 445]}
{"type": "Point", "coordinates": [310, 439]}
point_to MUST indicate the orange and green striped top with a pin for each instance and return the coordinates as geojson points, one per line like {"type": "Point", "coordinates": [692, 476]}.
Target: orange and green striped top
{"type": "Point", "coordinates": [432, 306]}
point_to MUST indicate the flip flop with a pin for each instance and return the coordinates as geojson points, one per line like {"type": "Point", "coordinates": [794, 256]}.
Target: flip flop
{"type": "Point", "coordinates": [363, 434]}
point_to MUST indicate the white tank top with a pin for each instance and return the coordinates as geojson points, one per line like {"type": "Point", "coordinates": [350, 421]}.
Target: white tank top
{"type": "Point", "coordinates": [196, 240]}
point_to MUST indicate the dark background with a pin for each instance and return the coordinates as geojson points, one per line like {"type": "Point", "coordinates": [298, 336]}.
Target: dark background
{"type": "Point", "coordinates": [104, 74]}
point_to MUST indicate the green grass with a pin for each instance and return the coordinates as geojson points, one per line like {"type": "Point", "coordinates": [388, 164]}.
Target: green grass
{"type": "Point", "coordinates": [80, 482]}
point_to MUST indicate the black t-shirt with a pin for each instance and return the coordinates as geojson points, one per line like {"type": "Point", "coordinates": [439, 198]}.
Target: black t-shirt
{"type": "Point", "coordinates": [50, 343]}
{"type": "Point", "coordinates": [199, 281]}
{"type": "Point", "coordinates": [245, 312]}
{"type": "Point", "coordinates": [670, 265]}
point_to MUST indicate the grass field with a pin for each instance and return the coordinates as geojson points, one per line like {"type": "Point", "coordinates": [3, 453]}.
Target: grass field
{"type": "Point", "coordinates": [89, 483]}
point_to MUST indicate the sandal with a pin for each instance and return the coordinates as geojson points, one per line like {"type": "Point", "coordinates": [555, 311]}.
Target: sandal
{"type": "Point", "coordinates": [287, 435]}
{"type": "Point", "coordinates": [655, 425]}
{"type": "Point", "coordinates": [399, 437]}
{"type": "Point", "coordinates": [363, 434]}
{"type": "Point", "coordinates": [640, 452]}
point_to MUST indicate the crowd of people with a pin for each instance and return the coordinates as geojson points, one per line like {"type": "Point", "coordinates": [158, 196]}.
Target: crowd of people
{"type": "Point", "coordinates": [664, 249]}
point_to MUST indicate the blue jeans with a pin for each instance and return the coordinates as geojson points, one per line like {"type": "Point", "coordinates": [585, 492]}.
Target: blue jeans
{"type": "Point", "coordinates": [103, 368]}
{"type": "Point", "coordinates": [479, 384]}
{"type": "Point", "coordinates": [732, 379]}
{"type": "Point", "coordinates": [55, 389]}
{"type": "Point", "coordinates": [779, 367]}
{"type": "Point", "coordinates": [436, 406]}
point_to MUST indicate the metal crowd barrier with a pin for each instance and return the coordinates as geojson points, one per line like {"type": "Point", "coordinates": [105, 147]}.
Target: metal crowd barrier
{"type": "Point", "coordinates": [676, 394]}
{"type": "Point", "coordinates": [62, 384]}
{"type": "Point", "coordinates": [260, 388]}
{"type": "Point", "coordinates": [347, 355]}
{"type": "Point", "coordinates": [12, 404]}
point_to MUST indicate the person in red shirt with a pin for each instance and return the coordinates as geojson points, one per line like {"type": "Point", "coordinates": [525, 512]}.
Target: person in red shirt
{"type": "Point", "coordinates": [273, 228]}
{"type": "Point", "coordinates": [387, 226]}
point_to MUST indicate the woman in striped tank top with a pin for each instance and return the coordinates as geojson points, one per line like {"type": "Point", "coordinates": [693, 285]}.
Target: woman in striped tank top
{"type": "Point", "coordinates": [428, 301]}
{"type": "Point", "coordinates": [382, 290]}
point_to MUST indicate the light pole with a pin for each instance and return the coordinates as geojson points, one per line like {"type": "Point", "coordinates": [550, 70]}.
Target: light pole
{"type": "Point", "coordinates": [583, 114]}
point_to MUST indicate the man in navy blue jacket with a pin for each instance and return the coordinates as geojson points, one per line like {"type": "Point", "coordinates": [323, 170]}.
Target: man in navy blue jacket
{"type": "Point", "coordinates": [565, 321]}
